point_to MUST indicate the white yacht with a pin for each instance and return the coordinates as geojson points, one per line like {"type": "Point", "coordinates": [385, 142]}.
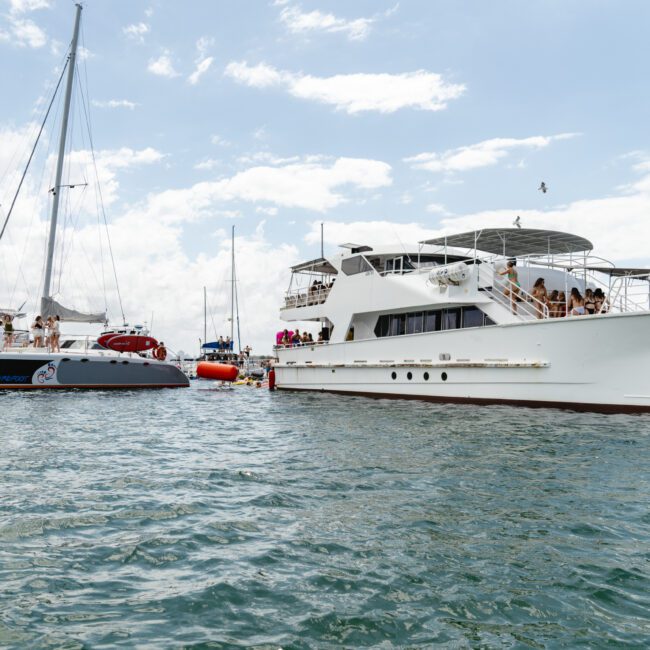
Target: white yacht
{"type": "Point", "coordinates": [436, 322]}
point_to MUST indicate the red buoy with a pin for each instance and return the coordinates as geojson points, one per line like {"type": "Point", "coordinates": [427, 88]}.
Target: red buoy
{"type": "Point", "coordinates": [220, 371]}
{"type": "Point", "coordinates": [272, 379]}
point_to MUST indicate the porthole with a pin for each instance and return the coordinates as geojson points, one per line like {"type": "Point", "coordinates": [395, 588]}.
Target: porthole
{"type": "Point", "coordinates": [426, 376]}
{"type": "Point", "coordinates": [125, 362]}
{"type": "Point", "coordinates": [393, 375]}
{"type": "Point", "coordinates": [409, 375]}
{"type": "Point", "coordinates": [443, 376]}
{"type": "Point", "coordinates": [112, 361]}
{"type": "Point", "coordinates": [84, 361]}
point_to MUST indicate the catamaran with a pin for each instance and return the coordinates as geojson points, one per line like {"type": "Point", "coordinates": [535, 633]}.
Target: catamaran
{"type": "Point", "coordinates": [82, 362]}
{"type": "Point", "coordinates": [442, 321]}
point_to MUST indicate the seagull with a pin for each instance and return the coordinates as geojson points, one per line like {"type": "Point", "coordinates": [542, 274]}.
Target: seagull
{"type": "Point", "coordinates": [517, 222]}
{"type": "Point", "coordinates": [543, 187]}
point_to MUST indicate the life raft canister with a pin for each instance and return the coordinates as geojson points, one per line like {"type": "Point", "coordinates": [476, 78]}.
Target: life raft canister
{"type": "Point", "coordinates": [272, 379]}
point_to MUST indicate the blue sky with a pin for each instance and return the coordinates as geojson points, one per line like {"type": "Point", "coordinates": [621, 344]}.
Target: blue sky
{"type": "Point", "coordinates": [388, 121]}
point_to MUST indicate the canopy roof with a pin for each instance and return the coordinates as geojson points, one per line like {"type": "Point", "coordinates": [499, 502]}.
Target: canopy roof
{"type": "Point", "coordinates": [514, 242]}
{"type": "Point", "coordinates": [319, 265]}
{"type": "Point", "coordinates": [619, 272]}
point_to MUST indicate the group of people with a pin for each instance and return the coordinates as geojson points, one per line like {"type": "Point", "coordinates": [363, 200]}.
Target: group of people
{"type": "Point", "coordinates": [46, 334]}
{"type": "Point", "coordinates": [288, 338]}
{"type": "Point", "coordinates": [556, 303]}
{"type": "Point", "coordinates": [225, 344]}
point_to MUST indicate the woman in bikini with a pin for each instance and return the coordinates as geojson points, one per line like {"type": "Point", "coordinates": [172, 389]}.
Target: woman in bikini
{"type": "Point", "coordinates": [541, 297]}
{"type": "Point", "coordinates": [513, 287]}
{"type": "Point", "coordinates": [590, 303]}
{"type": "Point", "coordinates": [576, 306]}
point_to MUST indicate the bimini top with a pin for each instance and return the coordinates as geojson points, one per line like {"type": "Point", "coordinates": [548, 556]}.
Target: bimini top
{"type": "Point", "coordinates": [514, 242]}
{"type": "Point", "coordinates": [319, 265]}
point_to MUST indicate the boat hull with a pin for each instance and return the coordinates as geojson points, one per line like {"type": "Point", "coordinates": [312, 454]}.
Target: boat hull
{"type": "Point", "coordinates": [598, 363]}
{"type": "Point", "coordinates": [50, 371]}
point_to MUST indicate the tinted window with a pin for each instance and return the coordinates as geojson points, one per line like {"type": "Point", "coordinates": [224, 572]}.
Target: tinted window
{"type": "Point", "coordinates": [432, 321]}
{"type": "Point", "coordinates": [398, 324]}
{"type": "Point", "coordinates": [472, 317]}
{"type": "Point", "coordinates": [450, 319]}
{"type": "Point", "coordinates": [414, 323]}
{"type": "Point", "coordinates": [383, 322]}
{"type": "Point", "coordinates": [354, 265]}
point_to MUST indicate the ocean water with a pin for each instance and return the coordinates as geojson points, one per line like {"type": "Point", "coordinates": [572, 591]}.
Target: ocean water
{"type": "Point", "coordinates": [215, 519]}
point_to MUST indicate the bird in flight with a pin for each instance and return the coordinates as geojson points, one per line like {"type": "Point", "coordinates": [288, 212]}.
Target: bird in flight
{"type": "Point", "coordinates": [542, 188]}
{"type": "Point", "coordinates": [517, 222]}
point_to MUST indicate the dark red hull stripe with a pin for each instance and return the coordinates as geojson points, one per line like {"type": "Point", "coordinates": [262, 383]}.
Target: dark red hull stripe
{"type": "Point", "coordinates": [569, 406]}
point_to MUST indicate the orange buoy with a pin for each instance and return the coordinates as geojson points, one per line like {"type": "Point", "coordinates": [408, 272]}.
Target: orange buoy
{"type": "Point", "coordinates": [220, 371]}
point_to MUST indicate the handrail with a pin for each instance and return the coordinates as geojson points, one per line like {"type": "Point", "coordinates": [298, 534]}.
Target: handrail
{"type": "Point", "coordinates": [306, 298]}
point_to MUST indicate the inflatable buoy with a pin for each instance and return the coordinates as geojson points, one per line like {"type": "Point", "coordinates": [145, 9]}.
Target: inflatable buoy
{"type": "Point", "coordinates": [272, 379]}
{"type": "Point", "coordinates": [220, 371]}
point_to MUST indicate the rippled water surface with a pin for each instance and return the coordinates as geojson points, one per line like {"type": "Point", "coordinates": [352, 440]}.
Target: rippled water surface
{"type": "Point", "coordinates": [200, 518]}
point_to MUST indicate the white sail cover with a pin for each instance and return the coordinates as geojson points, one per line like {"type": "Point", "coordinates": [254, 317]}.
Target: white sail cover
{"type": "Point", "coordinates": [50, 307]}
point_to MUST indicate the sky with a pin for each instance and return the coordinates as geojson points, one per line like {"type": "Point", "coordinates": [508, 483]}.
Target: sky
{"type": "Point", "coordinates": [386, 121]}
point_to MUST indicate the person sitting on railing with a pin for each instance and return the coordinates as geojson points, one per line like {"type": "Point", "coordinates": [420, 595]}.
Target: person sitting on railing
{"type": "Point", "coordinates": [305, 338]}
{"type": "Point", "coordinates": [539, 293]}
{"type": "Point", "coordinates": [513, 287]}
{"type": "Point", "coordinates": [553, 304]}
{"type": "Point", "coordinates": [590, 303]}
{"type": "Point", "coordinates": [295, 339]}
{"type": "Point", "coordinates": [576, 306]}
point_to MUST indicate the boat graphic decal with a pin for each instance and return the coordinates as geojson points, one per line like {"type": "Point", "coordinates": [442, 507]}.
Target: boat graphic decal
{"type": "Point", "coordinates": [46, 374]}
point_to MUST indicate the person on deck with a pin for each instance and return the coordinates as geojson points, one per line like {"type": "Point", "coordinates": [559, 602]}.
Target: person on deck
{"type": "Point", "coordinates": [37, 331]}
{"type": "Point", "coordinates": [160, 352]}
{"type": "Point", "coordinates": [513, 287]}
{"type": "Point", "coordinates": [8, 331]}
{"type": "Point", "coordinates": [541, 297]}
{"type": "Point", "coordinates": [576, 306]}
{"type": "Point", "coordinates": [55, 334]}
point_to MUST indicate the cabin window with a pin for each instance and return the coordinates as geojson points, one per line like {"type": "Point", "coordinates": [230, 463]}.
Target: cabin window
{"type": "Point", "coordinates": [397, 324]}
{"type": "Point", "coordinates": [354, 265]}
{"type": "Point", "coordinates": [450, 319]}
{"type": "Point", "coordinates": [472, 317]}
{"type": "Point", "coordinates": [414, 323]}
{"type": "Point", "coordinates": [434, 320]}
{"type": "Point", "coordinates": [394, 265]}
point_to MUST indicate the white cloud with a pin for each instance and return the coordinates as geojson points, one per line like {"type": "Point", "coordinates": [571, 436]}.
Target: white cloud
{"type": "Point", "coordinates": [437, 208]}
{"type": "Point", "coordinates": [270, 211]}
{"type": "Point", "coordinates": [24, 6]}
{"type": "Point", "coordinates": [299, 22]}
{"type": "Point", "coordinates": [481, 154]}
{"type": "Point", "coordinates": [136, 31]}
{"type": "Point", "coordinates": [115, 103]}
{"type": "Point", "coordinates": [219, 141]}
{"type": "Point", "coordinates": [367, 232]}
{"type": "Point", "coordinates": [25, 33]}
{"type": "Point", "coordinates": [354, 93]}
{"type": "Point", "coordinates": [84, 53]}
{"type": "Point", "coordinates": [162, 66]}
{"type": "Point", "coordinates": [310, 186]}
{"type": "Point", "coordinates": [201, 68]}
{"type": "Point", "coordinates": [208, 164]}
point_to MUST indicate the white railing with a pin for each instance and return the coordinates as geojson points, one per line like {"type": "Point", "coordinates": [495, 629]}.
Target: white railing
{"type": "Point", "coordinates": [306, 297]}
{"type": "Point", "coordinates": [522, 304]}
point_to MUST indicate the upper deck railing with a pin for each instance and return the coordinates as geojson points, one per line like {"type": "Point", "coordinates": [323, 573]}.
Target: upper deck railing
{"type": "Point", "coordinates": [306, 297]}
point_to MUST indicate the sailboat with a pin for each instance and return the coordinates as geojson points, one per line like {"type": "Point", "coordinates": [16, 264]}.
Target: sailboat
{"type": "Point", "coordinates": [220, 361]}
{"type": "Point", "coordinates": [83, 363]}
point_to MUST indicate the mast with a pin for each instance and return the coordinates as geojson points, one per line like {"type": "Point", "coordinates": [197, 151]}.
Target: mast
{"type": "Point", "coordinates": [47, 278]}
{"type": "Point", "coordinates": [232, 289]}
{"type": "Point", "coordinates": [205, 315]}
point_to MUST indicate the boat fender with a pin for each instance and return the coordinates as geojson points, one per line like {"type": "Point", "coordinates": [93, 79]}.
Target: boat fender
{"type": "Point", "coordinates": [450, 274]}
{"type": "Point", "coordinates": [272, 379]}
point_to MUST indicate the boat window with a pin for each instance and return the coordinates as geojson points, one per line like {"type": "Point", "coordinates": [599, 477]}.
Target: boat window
{"type": "Point", "coordinates": [397, 324]}
{"type": "Point", "coordinates": [472, 317]}
{"type": "Point", "coordinates": [434, 320]}
{"type": "Point", "coordinates": [414, 323]}
{"type": "Point", "coordinates": [394, 265]}
{"type": "Point", "coordinates": [354, 265]}
{"type": "Point", "coordinates": [450, 319]}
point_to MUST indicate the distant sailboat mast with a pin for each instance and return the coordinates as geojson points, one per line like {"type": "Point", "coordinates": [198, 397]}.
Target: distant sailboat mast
{"type": "Point", "coordinates": [47, 278]}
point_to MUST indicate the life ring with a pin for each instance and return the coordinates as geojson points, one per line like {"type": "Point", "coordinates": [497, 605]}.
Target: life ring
{"type": "Point", "coordinates": [160, 353]}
